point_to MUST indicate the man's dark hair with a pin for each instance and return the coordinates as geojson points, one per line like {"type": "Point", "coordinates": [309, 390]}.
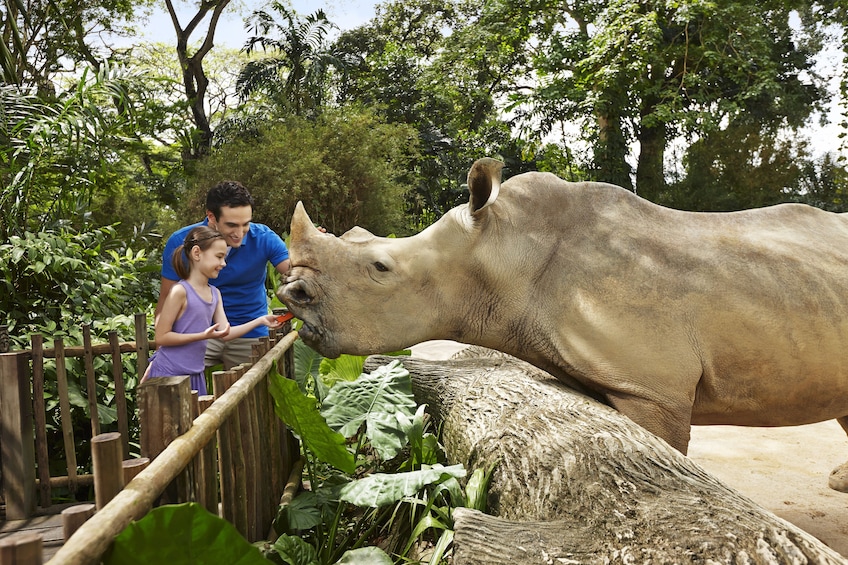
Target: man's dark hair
{"type": "Point", "coordinates": [228, 193]}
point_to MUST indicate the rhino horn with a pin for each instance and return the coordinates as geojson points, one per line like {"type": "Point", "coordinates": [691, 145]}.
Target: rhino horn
{"type": "Point", "coordinates": [302, 229]}
{"type": "Point", "coordinates": [484, 182]}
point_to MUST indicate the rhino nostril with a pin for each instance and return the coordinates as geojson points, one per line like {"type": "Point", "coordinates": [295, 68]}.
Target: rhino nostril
{"type": "Point", "coordinates": [297, 292]}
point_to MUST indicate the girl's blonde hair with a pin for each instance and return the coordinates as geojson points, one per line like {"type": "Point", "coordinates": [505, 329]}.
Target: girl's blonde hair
{"type": "Point", "coordinates": [201, 236]}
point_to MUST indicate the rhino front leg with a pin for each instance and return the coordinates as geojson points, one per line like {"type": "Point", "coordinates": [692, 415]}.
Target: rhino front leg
{"type": "Point", "coordinates": [839, 477]}
{"type": "Point", "coordinates": [670, 421]}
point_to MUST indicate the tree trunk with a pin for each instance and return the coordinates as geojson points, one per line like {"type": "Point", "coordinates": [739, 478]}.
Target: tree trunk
{"type": "Point", "coordinates": [575, 481]}
{"type": "Point", "coordinates": [650, 169]}
{"type": "Point", "coordinates": [610, 151]}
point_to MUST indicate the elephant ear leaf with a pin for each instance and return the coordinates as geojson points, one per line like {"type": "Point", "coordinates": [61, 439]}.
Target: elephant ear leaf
{"type": "Point", "coordinates": [183, 534]}
{"type": "Point", "coordinates": [300, 413]}
{"type": "Point", "coordinates": [382, 401]}
{"type": "Point", "coordinates": [382, 489]}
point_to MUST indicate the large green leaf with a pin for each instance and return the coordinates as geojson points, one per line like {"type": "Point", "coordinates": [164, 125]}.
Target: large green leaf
{"type": "Point", "coordinates": [294, 551]}
{"type": "Point", "coordinates": [306, 363]}
{"type": "Point", "coordinates": [342, 368]}
{"type": "Point", "coordinates": [380, 489]}
{"type": "Point", "coordinates": [303, 512]}
{"type": "Point", "coordinates": [374, 400]}
{"type": "Point", "coordinates": [184, 534]}
{"type": "Point", "coordinates": [301, 414]}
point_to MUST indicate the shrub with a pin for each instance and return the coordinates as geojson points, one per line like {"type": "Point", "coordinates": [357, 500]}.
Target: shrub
{"type": "Point", "coordinates": [347, 168]}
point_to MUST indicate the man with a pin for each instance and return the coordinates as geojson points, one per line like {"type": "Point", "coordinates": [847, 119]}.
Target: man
{"type": "Point", "coordinates": [229, 209]}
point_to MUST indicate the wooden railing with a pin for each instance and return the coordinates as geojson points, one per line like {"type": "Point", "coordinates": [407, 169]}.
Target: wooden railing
{"type": "Point", "coordinates": [240, 419]}
{"type": "Point", "coordinates": [23, 433]}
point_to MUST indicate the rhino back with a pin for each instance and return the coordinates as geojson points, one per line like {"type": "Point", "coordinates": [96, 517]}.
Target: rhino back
{"type": "Point", "coordinates": [750, 308]}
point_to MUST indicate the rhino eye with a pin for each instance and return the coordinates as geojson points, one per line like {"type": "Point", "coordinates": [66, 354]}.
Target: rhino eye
{"type": "Point", "coordinates": [380, 267]}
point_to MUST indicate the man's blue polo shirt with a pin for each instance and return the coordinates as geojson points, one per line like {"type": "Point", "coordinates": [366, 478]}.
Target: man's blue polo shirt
{"type": "Point", "coordinates": [242, 280]}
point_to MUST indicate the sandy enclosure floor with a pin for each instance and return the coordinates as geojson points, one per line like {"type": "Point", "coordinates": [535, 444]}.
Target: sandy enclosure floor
{"type": "Point", "coordinates": [784, 470]}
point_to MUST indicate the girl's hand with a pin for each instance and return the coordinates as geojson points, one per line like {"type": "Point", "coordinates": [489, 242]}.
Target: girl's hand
{"type": "Point", "coordinates": [214, 333]}
{"type": "Point", "coordinates": [271, 321]}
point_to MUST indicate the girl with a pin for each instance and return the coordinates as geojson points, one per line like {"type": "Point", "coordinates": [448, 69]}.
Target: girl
{"type": "Point", "coordinates": [183, 325]}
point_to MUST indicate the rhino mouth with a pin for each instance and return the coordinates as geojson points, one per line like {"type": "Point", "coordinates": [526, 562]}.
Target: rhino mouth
{"type": "Point", "coordinates": [315, 337]}
{"type": "Point", "coordinates": [310, 334]}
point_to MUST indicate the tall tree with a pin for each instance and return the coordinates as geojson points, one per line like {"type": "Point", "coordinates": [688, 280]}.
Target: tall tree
{"type": "Point", "coordinates": [649, 72]}
{"type": "Point", "coordinates": [195, 80]}
{"type": "Point", "coordinates": [57, 154]}
{"type": "Point", "coordinates": [295, 74]}
{"type": "Point", "coordinates": [40, 38]}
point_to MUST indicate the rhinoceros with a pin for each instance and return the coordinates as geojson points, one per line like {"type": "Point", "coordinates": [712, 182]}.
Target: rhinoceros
{"type": "Point", "coordinates": [673, 318]}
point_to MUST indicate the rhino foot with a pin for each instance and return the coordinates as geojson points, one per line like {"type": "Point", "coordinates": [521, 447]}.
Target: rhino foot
{"type": "Point", "coordinates": [839, 478]}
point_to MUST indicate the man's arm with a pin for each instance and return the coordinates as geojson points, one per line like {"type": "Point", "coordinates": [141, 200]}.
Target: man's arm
{"type": "Point", "coordinates": [283, 267]}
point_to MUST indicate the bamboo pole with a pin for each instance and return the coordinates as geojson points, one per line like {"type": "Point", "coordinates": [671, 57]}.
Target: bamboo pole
{"type": "Point", "coordinates": [93, 538]}
{"type": "Point", "coordinates": [90, 380]}
{"type": "Point", "coordinates": [38, 410]}
{"type": "Point", "coordinates": [209, 457]}
{"type": "Point", "coordinates": [120, 391]}
{"type": "Point", "coordinates": [290, 490]}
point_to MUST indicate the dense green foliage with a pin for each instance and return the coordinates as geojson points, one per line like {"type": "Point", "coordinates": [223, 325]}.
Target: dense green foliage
{"type": "Point", "coordinates": [347, 167]}
{"type": "Point", "coordinates": [52, 273]}
{"type": "Point", "coordinates": [390, 484]}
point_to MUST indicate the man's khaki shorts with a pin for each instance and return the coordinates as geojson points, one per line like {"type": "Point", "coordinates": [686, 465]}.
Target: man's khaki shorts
{"type": "Point", "coordinates": [229, 353]}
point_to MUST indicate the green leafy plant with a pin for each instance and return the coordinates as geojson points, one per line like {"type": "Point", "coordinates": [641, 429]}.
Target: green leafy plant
{"type": "Point", "coordinates": [182, 534]}
{"type": "Point", "coordinates": [374, 472]}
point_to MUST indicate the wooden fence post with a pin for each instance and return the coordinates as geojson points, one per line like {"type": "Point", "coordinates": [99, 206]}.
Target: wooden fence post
{"type": "Point", "coordinates": [120, 390]}
{"type": "Point", "coordinates": [65, 413]}
{"type": "Point", "coordinates": [209, 456]}
{"type": "Point", "coordinates": [90, 380]}
{"type": "Point", "coordinates": [22, 549]}
{"type": "Point", "coordinates": [74, 517]}
{"type": "Point", "coordinates": [164, 414]}
{"type": "Point", "coordinates": [17, 443]}
{"type": "Point", "coordinates": [133, 467]}
{"type": "Point", "coordinates": [231, 458]}
{"type": "Point", "coordinates": [107, 461]}
{"type": "Point", "coordinates": [142, 346]}
{"type": "Point", "coordinates": [38, 410]}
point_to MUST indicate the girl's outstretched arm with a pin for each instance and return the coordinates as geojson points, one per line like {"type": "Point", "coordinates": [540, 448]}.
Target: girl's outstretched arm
{"type": "Point", "coordinates": [269, 320]}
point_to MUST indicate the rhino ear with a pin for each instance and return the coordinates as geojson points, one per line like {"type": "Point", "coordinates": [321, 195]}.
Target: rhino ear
{"type": "Point", "coordinates": [484, 182]}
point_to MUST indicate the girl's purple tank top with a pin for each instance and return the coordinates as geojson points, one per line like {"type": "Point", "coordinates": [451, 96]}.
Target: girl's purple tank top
{"type": "Point", "coordinates": [176, 360]}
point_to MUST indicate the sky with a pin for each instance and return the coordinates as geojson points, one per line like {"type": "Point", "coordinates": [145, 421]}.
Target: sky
{"type": "Point", "coordinates": [347, 14]}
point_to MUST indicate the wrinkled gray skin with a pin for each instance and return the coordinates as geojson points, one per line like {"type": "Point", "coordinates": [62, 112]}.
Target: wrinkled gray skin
{"type": "Point", "coordinates": [673, 318]}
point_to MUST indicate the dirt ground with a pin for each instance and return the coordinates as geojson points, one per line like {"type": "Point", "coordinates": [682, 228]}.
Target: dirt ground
{"type": "Point", "coordinates": [784, 470]}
